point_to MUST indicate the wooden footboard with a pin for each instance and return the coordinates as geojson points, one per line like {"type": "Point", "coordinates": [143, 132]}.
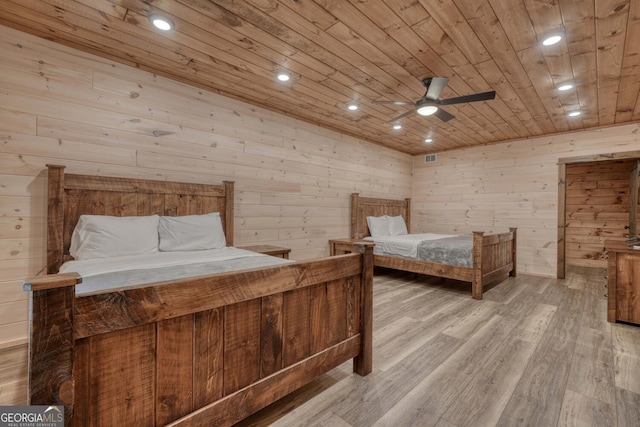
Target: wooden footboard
{"type": "Point", "coordinates": [205, 351]}
{"type": "Point", "coordinates": [494, 257]}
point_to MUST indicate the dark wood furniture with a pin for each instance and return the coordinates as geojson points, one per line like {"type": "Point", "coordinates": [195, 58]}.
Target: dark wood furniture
{"type": "Point", "coordinates": [494, 256]}
{"type": "Point", "coordinates": [200, 351]}
{"type": "Point", "coordinates": [623, 294]}
{"type": "Point", "coordinates": [276, 251]}
{"type": "Point", "coordinates": [343, 245]}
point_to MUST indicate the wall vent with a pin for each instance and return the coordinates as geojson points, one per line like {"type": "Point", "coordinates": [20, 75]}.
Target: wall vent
{"type": "Point", "coordinates": [430, 158]}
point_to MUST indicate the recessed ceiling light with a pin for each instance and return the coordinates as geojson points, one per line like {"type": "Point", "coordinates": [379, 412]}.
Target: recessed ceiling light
{"type": "Point", "coordinates": [161, 22]}
{"type": "Point", "coordinates": [397, 127]}
{"type": "Point", "coordinates": [575, 113]}
{"type": "Point", "coordinates": [428, 140]}
{"type": "Point", "coordinates": [565, 86]}
{"type": "Point", "coordinates": [283, 75]}
{"type": "Point", "coordinates": [352, 106]}
{"type": "Point", "coordinates": [552, 39]}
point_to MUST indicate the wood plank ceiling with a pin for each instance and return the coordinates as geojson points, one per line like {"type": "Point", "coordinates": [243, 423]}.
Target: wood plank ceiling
{"type": "Point", "coordinates": [342, 51]}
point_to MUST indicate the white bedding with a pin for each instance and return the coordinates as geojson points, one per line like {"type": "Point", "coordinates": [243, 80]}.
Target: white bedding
{"type": "Point", "coordinates": [110, 273]}
{"type": "Point", "coordinates": [403, 245]}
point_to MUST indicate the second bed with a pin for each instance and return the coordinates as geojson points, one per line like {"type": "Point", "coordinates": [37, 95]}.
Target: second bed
{"type": "Point", "coordinates": [480, 259]}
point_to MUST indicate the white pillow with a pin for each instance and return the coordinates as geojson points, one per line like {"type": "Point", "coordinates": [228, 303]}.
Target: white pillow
{"type": "Point", "coordinates": [397, 226]}
{"type": "Point", "coordinates": [191, 232]}
{"type": "Point", "coordinates": [102, 236]}
{"type": "Point", "coordinates": [378, 225]}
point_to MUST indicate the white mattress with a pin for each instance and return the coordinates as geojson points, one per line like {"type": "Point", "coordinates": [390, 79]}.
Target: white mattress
{"type": "Point", "coordinates": [102, 274]}
{"type": "Point", "coordinates": [405, 245]}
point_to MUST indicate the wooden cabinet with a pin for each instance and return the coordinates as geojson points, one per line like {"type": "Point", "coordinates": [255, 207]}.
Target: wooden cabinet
{"type": "Point", "coordinates": [623, 301]}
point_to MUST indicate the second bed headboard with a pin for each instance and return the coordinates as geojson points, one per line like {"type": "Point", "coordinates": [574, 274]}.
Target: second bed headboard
{"type": "Point", "coordinates": [70, 196]}
{"type": "Point", "coordinates": [362, 207]}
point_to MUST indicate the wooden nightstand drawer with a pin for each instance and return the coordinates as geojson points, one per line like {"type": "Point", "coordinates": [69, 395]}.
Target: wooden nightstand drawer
{"type": "Point", "coordinates": [276, 251]}
{"type": "Point", "coordinates": [343, 245]}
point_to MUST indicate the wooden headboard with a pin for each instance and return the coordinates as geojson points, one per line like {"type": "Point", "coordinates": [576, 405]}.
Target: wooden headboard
{"type": "Point", "coordinates": [70, 196]}
{"type": "Point", "coordinates": [362, 207]}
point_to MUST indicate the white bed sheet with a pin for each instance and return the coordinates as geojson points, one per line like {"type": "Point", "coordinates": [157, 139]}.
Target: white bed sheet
{"type": "Point", "coordinates": [94, 267]}
{"type": "Point", "coordinates": [103, 275]}
{"type": "Point", "coordinates": [405, 245]}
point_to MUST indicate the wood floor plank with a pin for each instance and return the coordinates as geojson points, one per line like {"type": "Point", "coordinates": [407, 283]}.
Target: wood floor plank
{"type": "Point", "coordinates": [591, 372]}
{"type": "Point", "coordinates": [579, 410]}
{"type": "Point", "coordinates": [430, 399]}
{"type": "Point", "coordinates": [627, 408]}
{"type": "Point", "coordinates": [407, 335]}
{"type": "Point", "coordinates": [473, 320]}
{"type": "Point", "coordinates": [534, 352]}
{"type": "Point", "coordinates": [626, 347]}
{"type": "Point", "coordinates": [484, 399]}
{"type": "Point", "coordinates": [364, 409]}
{"type": "Point", "coordinates": [536, 322]}
{"type": "Point", "coordinates": [538, 396]}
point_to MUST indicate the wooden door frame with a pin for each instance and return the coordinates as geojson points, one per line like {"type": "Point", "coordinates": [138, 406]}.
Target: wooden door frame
{"type": "Point", "coordinates": [562, 195]}
{"type": "Point", "coordinates": [634, 186]}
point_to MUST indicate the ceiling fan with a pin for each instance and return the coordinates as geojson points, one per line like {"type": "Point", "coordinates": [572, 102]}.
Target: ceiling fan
{"type": "Point", "coordinates": [429, 104]}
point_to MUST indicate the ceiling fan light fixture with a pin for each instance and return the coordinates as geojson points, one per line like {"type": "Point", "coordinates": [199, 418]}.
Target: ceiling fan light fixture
{"type": "Point", "coordinates": [161, 22]}
{"type": "Point", "coordinates": [552, 39]}
{"type": "Point", "coordinates": [427, 110]}
{"type": "Point", "coordinates": [565, 86]}
{"type": "Point", "coordinates": [283, 75]}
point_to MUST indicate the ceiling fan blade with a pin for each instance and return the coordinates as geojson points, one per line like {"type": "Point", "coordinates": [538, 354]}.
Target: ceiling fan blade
{"type": "Point", "coordinates": [394, 102]}
{"type": "Point", "coordinates": [484, 96]}
{"type": "Point", "coordinates": [435, 87]}
{"type": "Point", "coordinates": [443, 115]}
{"type": "Point", "coordinates": [401, 116]}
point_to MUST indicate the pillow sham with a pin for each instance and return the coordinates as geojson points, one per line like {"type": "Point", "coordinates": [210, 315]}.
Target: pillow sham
{"type": "Point", "coordinates": [191, 232]}
{"type": "Point", "coordinates": [103, 236]}
{"type": "Point", "coordinates": [397, 226]}
{"type": "Point", "coordinates": [378, 225]}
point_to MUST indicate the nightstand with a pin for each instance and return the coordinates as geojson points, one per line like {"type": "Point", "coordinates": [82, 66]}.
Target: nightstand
{"type": "Point", "coordinates": [343, 245]}
{"type": "Point", "coordinates": [276, 251]}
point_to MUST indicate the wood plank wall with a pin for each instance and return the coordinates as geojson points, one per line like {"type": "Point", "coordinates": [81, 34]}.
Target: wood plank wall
{"type": "Point", "coordinates": [61, 106]}
{"type": "Point", "coordinates": [293, 180]}
{"type": "Point", "coordinates": [515, 184]}
{"type": "Point", "coordinates": [597, 209]}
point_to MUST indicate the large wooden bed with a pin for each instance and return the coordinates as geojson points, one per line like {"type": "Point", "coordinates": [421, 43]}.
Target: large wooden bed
{"type": "Point", "coordinates": [494, 256]}
{"type": "Point", "coordinates": [201, 351]}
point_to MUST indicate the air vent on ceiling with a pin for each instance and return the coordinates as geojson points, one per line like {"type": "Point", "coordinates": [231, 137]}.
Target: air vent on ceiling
{"type": "Point", "coordinates": [430, 158]}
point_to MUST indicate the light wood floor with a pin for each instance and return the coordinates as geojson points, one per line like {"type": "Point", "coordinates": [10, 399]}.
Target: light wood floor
{"type": "Point", "coordinates": [533, 352]}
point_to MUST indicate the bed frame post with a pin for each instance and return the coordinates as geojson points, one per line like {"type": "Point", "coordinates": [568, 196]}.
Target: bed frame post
{"type": "Point", "coordinates": [477, 284]}
{"type": "Point", "coordinates": [51, 341]}
{"type": "Point", "coordinates": [514, 252]}
{"type": "Point", "coordinates": [355, 216]}
{"type": "Point", "coordinates": [408, 213]}
{"type": "Point", "coordinates": [363, 362]}
{"type": "Point", "coordinates": [229, 211]}
{"type": "Point", "coordinates": [55, 218]}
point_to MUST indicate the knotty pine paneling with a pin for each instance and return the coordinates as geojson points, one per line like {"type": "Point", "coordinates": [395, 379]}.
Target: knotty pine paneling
{"type": "Point", "coordinates": [597, 209]}
{"type": "Point", "coordinates": [514, 184]}
{"type": "Point", "coordinates": [62, 106]}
